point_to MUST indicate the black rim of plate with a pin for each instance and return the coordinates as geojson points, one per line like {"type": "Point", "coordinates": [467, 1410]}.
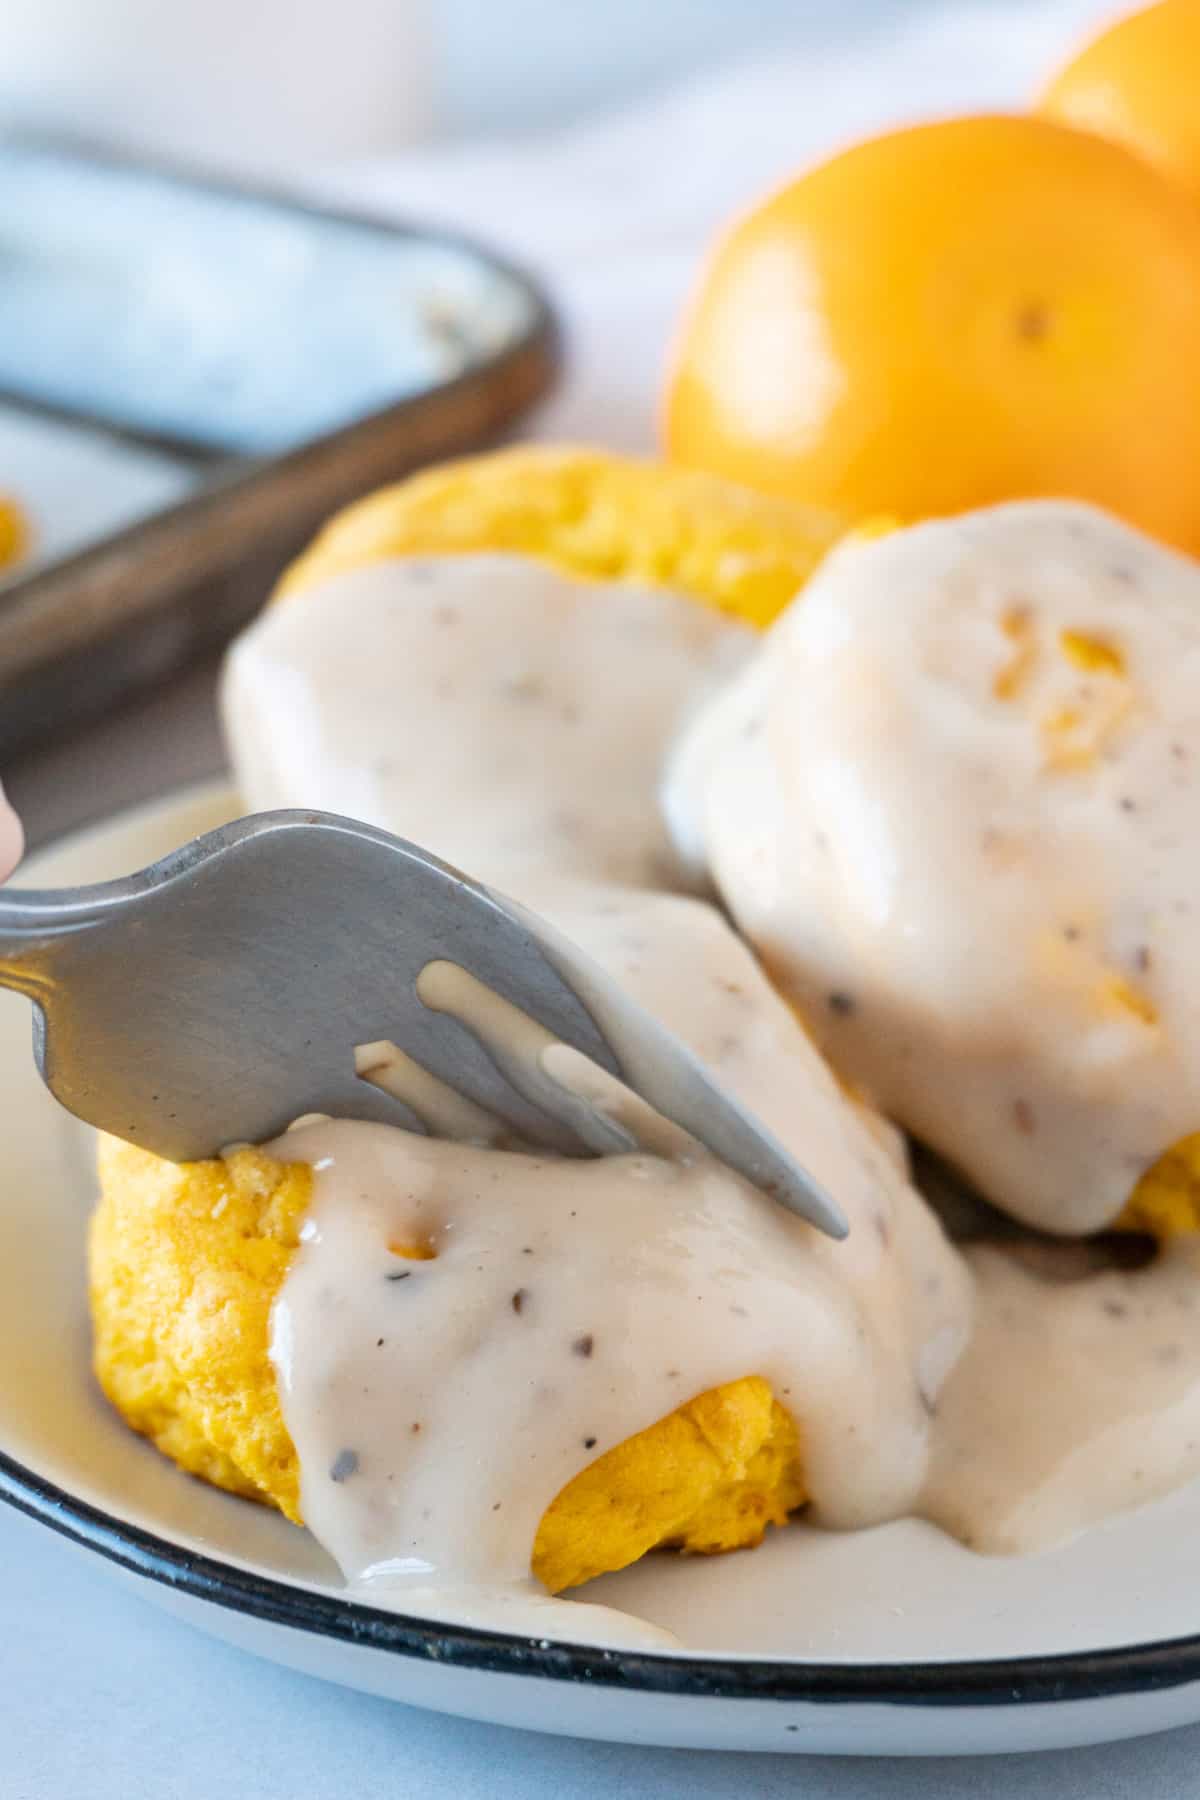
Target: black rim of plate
{"type": "Point", "coordinates": [1018, 1681]}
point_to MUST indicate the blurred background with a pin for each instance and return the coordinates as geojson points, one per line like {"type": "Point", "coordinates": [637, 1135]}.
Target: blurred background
{"type": "Point", "coordinates": [278, 82]}
{"type": "Point", "coordinates": [602, 146]}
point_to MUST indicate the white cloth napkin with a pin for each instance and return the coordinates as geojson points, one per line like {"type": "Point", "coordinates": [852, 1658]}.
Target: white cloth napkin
{"type": "Point", "coordinates": [615, 213]}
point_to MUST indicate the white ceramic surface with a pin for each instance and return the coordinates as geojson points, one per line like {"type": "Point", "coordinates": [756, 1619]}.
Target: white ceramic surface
{"type": "Point", "coordinates": [895, 1640]}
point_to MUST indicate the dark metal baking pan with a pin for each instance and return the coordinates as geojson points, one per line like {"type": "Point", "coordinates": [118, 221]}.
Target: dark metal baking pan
{"type": "Point", "coordinates": [246, 339]}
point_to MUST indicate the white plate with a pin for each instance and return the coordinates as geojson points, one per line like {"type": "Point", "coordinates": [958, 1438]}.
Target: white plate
{"type": "Point", "coordinates": [895, 1640]}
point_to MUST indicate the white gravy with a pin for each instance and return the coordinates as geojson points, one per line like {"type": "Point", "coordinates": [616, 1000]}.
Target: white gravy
{"type": "Point", "coordinates": [953, 803]}
{"type": "Point", "coordinates": [1078, 1398]}
{"type": "Point", "coordinates": [511, 720]}
{"type": "Point", "coordinates": [570, 1304]}
{"type": "Point", "coordinates": [439, 1405]}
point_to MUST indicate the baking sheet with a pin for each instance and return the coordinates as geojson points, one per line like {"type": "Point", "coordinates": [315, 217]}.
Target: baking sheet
{"type": "Point", "coordinates": [75, 483]}
{"type": "Point", "coordinates": [193, 376]}
{"type": "Point", "coordinates": [220, 317]}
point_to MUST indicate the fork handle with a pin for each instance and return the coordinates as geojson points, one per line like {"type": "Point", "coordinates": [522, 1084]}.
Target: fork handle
{"type": "Point", "coordinates": [33, 921]}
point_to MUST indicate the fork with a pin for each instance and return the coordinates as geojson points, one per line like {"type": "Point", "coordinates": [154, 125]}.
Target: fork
{"type": "Point", "coordinates": [223, 992]}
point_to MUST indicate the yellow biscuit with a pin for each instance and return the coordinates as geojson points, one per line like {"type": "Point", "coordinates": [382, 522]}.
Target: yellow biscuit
{"type": "Point", "coordinates": [185, 1263]}
{"type": "Point", "coordinates": [1165, 1204]}
{"type": "Point", "coordinates": [598, 516]}
{"type": "Point", "coordinates": [709, 1477]}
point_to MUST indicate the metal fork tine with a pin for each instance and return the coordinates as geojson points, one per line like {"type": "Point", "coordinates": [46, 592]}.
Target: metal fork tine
{"type": "Point", "coordinates": [664, 1072]}
{"type": "Point", "coordinates": [565, 1124]}
{"type": "Point", "coordinates": [515, 1038]}
{"type": "Point", "coordinates": [594, 1133]}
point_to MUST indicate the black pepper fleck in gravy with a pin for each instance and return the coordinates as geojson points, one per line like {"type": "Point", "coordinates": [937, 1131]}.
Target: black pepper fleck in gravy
{"type": "Point", "coordinates": [1023, 1116]}
{"type": "Point", "coordinates": [345, 1464]}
